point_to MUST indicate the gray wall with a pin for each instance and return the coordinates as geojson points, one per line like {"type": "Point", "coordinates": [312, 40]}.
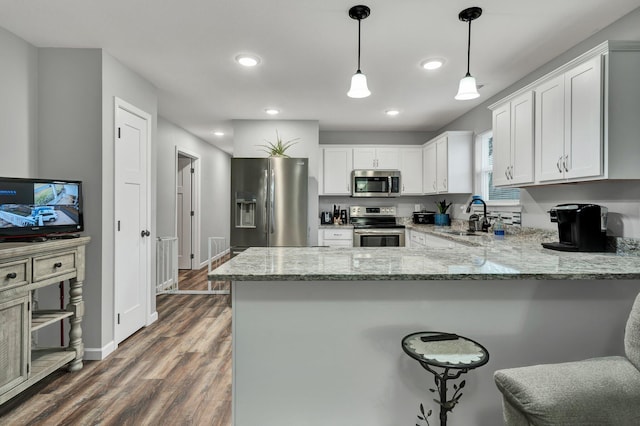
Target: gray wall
{"type": "Point", "coordinates": [214, 166]}
{"type": "Point", "coordinates": [621, 197]}
{"type": "Point", "coordinates": [388, 138]}
{"type": "Point", "coordinates": [18, 106]}
{"type": "Point", "coordinates": [76, 91]}
{"type": "Point", "coordinates": [119, 81]}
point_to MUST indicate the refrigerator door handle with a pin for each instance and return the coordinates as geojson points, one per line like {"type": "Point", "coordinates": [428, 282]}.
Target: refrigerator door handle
{"type": "Point", "coordinates": [272, 196]}
{"type": "Point", "coordinates": [266, 200]}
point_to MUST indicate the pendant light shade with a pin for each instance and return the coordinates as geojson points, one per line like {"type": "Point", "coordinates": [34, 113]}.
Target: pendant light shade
{"type": "Point", "coordinates": [468, 88]}
{"type": "Point", "coordinates": [359, 87]}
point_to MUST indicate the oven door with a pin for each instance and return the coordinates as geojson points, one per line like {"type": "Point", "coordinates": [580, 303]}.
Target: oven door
{"type": "Point", "coordinates": [378, 237]}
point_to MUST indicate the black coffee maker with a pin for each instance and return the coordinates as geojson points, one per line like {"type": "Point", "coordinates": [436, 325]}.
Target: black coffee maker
{"type": "Point", "coordinates": [581, 227]}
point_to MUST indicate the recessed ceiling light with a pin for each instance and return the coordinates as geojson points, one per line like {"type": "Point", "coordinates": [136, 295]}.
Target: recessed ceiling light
{"type": "Point", "coordinates": [432, 64]}
{"type": "Point", "coordinates": [218, 133]}
{"type": "Point", "coordinates": [247, 60]}
{"type": "Point", "coordinates": [272, 111]}
{"type": "Point", "coordinates": [392, 112]}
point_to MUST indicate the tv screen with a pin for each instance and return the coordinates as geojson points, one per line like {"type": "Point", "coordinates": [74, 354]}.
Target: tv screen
{"type": "Point", "coordinates": [39, 207]}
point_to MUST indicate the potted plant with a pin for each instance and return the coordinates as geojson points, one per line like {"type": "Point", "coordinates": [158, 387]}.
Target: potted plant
{"type": "Point", "coordinates": [278, 148]}
{"type": "Point", "coordinates": [442, 217]}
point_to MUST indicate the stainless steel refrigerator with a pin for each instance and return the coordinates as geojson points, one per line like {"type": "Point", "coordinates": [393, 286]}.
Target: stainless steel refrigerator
{"type": "Point", "coordinates": [268, 202]}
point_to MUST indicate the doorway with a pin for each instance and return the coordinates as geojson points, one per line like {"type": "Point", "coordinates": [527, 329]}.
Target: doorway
{"type": "Point", "coordinates": [132, 240]}
{"type": "Point", "coordinates": [187, 209]}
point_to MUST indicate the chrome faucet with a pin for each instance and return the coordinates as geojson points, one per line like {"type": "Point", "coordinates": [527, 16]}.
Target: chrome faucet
{"type": "Point", "coordinates": [484, 227]}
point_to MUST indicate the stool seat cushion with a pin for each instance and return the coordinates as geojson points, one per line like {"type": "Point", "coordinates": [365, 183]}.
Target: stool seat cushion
{"type": "Point", "coordinates": [598, 391]}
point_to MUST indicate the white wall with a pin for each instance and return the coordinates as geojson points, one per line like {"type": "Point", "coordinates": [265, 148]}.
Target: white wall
{"type": "Point", "coordinates": [214, 168]}
{"type": "Point", "coordinates": [622, 198]}
{"type": "Point", "coordinates": [249, 134]}
{"type": "Point", "coordinates": [18, 106]}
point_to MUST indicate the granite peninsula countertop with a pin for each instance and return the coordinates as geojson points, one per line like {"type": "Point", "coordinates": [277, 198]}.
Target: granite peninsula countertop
{"type": "Point", "coordinates": [491, 260]}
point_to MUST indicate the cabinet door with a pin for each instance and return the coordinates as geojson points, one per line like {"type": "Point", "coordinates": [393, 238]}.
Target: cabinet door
{"type": "Point", "coordinates": [336, 172]}
{"type": "Point", "coordinates": [502, 145]}
{"type": "Point", "coordinates": [549, 130]}
{"type": "Point", "coordinates": [14, 342]}
{"type": "Point", "coordinates": [429, 169]}
{"type": "Point", "coordinates": [411, 170]}
{"type": "Point", "coordinates": [583, 120]}
{"type": "Point", "coordinates": [387, 158]}
{"type": "Point", "coordinates": [442, 165]}
{"type": "Point", "coordinates": [522, 152]}
{"type": "Point", "coordinates": [364, 158]}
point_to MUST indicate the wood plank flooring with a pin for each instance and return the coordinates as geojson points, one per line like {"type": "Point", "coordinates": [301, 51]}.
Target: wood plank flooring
{"type": "Point", "coordinates": [177, 371]}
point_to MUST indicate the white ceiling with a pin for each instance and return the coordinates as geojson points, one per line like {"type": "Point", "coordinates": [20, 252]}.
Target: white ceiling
{"type": "Point", "coordinates": [308, 49]}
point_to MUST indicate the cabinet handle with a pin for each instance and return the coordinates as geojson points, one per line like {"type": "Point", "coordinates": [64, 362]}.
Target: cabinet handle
{"type": "Point", "coordinates": [444, 183]}
{"type": "Point", "coordinates": [434, 185]}
{"type": "Point", "coordinates": [558, 164]}
{"type": "Point", "coordinates": [11, 275]}
{"type": "Point", "coordinates": [57, 265]}
{"type": "Point", "coordinates": [506, 173]}
{"type": "Point", "coordinates": [511, 172]}
{"type": "Point", "coordinates": [564, 163]}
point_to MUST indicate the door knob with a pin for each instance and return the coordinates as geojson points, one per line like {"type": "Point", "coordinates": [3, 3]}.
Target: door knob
{"type": "Point", "coordinates": [145, 233]}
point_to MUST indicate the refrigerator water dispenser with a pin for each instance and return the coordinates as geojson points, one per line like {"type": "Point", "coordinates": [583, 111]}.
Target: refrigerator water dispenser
{"type": "Point", "coordinates": [245, 213]}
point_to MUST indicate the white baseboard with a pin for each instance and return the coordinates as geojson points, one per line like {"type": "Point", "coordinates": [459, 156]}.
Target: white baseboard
{"type": "Point", "coordinates": [98, 354]}
{"type": "Point", "coordinates": [152, 318]}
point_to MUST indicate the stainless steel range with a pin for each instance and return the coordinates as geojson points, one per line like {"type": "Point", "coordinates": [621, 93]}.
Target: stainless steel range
{"type": "Point", "coordinates": [375, 227]}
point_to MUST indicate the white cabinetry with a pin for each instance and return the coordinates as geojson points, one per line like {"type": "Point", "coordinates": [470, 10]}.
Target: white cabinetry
{"type": "Point", "coordinates": [336, 171]}
{"type": "Point", "coordinates": [335, 237]}
{"type": "Point", "coordinates": [586, 122]}
{"type": "Point", "coordinates": [513, 141]}
{"type": "Point", "coordinates": [411, 170]}
{"type": "Point", "coordinates": [447, 163]}
{"type": "Point", "coordinates": [376, 158]}
{"type": "Point", "coordinates": [569, 124]}
{"type": "Point", "coordinates": [418, 239]}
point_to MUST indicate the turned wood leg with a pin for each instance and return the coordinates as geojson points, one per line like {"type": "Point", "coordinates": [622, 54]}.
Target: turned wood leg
{"type": "Point", "coordinates": [76, 305]}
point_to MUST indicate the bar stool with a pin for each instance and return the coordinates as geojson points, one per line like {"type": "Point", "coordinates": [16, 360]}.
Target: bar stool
{"type": "Point", "coordinates": [450, 353]}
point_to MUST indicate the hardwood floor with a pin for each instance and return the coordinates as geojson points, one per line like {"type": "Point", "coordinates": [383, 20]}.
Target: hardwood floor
{"type": "Point", "coordinates": [177, 371]}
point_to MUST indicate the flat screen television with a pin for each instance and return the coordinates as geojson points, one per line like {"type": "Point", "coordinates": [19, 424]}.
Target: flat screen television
{"type": "Point", "coordinates": [37, 208]}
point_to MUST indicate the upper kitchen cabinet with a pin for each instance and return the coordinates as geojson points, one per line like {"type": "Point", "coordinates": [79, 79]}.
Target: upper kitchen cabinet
{"type": "Point", "coordinates": [585, 119]}
{"type": "Point", "coordinates": [376, 158]}
{"type": "Point", "coordinates": [513, 140]}
{"type": "Point", "coordinates": [569, 122]}
{"type": "Point", "coordinates": [411, 170]}
{"type": "Point", "coordinates": [447, 163]}
{"type": "Point", "coordinates": [336, 171]}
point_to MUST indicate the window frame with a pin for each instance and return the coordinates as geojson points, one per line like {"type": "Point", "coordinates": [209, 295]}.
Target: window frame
{"type": "Point", "coordinates": [481, 170]}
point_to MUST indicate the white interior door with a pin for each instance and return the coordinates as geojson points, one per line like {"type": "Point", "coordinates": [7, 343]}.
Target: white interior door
{"type": "Point", "coordinates": [184, 210]}
{"type": "Point", "coordinates": [132, 237]}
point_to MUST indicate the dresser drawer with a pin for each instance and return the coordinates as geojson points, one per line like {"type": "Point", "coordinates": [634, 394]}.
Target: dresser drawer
{"type": "Point", "coordinates": [13, 274]}
{"type": "Point", "coordinates": [45, 267]}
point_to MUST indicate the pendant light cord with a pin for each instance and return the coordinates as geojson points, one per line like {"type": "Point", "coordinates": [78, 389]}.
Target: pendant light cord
{"type": "Point", "coordinates": [359, 20]}
{"type": "Point", "coordinates": [469, 50]}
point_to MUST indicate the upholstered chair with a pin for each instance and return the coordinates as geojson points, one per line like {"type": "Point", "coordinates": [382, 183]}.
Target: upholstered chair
{"type": "Point", "coordinates": [598, 391]}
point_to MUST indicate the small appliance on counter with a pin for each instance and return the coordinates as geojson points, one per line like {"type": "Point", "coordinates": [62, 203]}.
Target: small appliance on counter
{"type": "Point", "coordinates": [326, 218]}
{"type": "Point", "coordinates": [581, 227]}
{"type": "Point", "coordinates": [424, 218]}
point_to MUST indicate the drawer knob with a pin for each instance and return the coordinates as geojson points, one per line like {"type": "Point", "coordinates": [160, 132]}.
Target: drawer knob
{"type": "Point", "coordinates": [57, 265]}
{"type": "Point", "coordinates": [11, 275]}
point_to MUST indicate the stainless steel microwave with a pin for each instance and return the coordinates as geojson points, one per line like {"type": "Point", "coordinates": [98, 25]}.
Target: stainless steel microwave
{"type": "Point", "coordinates": [375, 183]}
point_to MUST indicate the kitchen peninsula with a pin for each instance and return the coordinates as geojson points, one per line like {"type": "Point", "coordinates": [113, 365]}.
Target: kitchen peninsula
{"type": "Point", "coordinates": [317, 331]}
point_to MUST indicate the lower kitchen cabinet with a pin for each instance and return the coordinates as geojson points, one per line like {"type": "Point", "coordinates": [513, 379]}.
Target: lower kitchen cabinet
{"type": "Point", "coordinates": [335, 237]}
{"type": "Point", "coordinates": [420, 239]}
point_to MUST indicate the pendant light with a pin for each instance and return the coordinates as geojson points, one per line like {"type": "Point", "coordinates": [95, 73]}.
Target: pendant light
{"type": "Point", "coordinates": [467, 89]}
{"type": "Point", "coordinates": [359, 87]}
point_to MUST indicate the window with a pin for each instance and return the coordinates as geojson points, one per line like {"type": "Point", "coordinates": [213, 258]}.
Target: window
{"type": "Point", "coordinates": [484, 174]}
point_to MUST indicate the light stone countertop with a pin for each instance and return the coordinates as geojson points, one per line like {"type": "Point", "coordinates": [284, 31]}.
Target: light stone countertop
{"type": "Point", "coordinates": [493, 261]}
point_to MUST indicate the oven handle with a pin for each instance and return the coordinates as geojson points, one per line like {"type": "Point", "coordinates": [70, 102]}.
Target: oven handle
{"type": "Point", "coordinates": [370, 231]}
